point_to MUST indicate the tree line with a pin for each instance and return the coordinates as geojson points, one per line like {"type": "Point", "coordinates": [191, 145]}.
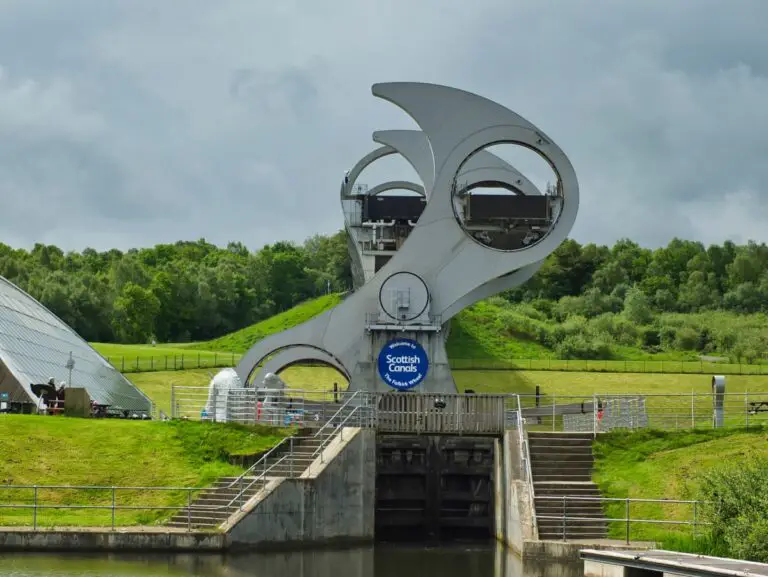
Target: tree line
{"type": "Point", "coordinates": [192, 291]}
{"type": "Point", "coordinates": [182, 292]}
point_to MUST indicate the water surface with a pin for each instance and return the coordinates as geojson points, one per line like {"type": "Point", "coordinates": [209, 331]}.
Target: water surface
{"type": "Point", "coordinates": [380, 561]}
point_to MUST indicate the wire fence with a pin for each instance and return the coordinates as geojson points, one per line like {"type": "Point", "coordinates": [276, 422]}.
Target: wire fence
{"type": "Point", "coordinates": [610, 366]}
{"type": "Point", "coordinates": [173, 508]}
{"type": "Point", "coordinates": [609, 412]}
{"type": "Point", "coordinates": [571, 517]}
{"type": "Point", "coordinates": [210, 360]}
{"type": "Point", "coordinates": [49, 506]}
{"type": "Point", "coordinates": [183, 362]}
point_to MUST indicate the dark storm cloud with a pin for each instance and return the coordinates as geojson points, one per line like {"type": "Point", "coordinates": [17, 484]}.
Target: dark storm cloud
{"type": "Point", "coordinates": [133, 122]}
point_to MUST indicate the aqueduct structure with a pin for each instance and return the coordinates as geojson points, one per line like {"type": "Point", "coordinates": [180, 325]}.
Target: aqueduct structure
{"type": "Point", "coordinates": [419, 259]}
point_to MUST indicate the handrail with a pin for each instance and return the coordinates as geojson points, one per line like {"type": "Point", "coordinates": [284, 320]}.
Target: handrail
{"type": "Point", "coordinates": [525, 456]}
{"type": "Point", "coordinates": [261, 477]}
{"type": "Point", "coordinates": [337, 413]}
{"type": "Point", "coordinates": [260, 461]}
{"type": "Point", "coordinates": [337, 428]}
{"type": "Point", "coordinates": [329, 438]}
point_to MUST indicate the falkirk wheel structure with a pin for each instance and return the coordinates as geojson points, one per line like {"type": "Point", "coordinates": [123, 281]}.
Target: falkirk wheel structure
{"type": "Point", "coordinates": [419, 259]}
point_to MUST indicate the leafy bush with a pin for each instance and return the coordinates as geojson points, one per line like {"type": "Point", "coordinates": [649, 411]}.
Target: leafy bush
{"type": "Point", "coordinates": [579, 347]}
{"type": "Point", "coordinates": [736, 503]}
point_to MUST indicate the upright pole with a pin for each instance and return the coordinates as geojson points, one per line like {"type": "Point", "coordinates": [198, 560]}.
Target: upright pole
{"type": "Point", "coordinates": [626, 513]}
{"type": "Point", "coordinates": [34, 510]}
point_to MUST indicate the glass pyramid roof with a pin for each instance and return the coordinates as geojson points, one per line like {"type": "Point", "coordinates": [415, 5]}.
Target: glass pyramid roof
{"type": "Point", "coordinates": [35, 345]}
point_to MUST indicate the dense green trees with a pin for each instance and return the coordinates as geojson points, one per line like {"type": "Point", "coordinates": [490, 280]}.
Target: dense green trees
{"type": "Point", "coordinates": [602, 296]}
{"type": "Point", "coordinates": [175, 293]}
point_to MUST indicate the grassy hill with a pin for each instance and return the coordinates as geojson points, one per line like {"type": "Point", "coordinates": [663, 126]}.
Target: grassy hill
{"type": "Point", "coordinates": [224, 351]}
{"type": "Point", "coordinates": [107, 452]}
{"type": "Point", "coordinates": [499, 330]}
{"type": "Point", "coordinates": [657, 465]}
{"type": "Point", "coordinates": [240, 341]}
{"type": "Point", "coordinates": [495, 334]}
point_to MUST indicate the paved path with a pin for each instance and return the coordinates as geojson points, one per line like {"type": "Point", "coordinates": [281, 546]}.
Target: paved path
{"type": "Point", "coordinates": [685, 564]}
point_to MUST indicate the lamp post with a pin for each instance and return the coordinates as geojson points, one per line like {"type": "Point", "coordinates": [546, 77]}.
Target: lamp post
{"type": "Point", "coordinates": [70, 365]}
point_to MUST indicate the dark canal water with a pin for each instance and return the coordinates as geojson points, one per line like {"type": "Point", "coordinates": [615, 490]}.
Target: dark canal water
{"type": "Point", "coordinates": [379, 561]}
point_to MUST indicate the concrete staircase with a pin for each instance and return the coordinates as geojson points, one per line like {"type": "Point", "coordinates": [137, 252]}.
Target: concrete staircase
{"type": "Point", "coordinates": [213, 506]}
{"type": "Point", "coordinates": [561, 466]}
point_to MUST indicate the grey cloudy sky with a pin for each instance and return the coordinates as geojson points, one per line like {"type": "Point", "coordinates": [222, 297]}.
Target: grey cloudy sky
{"type": "Point", "coordinates": [130, 122]}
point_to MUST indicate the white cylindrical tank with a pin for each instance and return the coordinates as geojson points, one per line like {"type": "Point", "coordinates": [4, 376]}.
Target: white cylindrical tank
{"type": "Point", "coordinates": [218, 394]}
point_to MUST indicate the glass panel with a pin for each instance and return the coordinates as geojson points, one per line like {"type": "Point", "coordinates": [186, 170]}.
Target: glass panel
{"type": "Point", "coordinates": [35, 346]}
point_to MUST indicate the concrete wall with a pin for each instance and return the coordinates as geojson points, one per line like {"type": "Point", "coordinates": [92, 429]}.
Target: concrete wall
{"type": "Point", "coordinates": [514, 515]}
{"type": "Point", "coordinates": [91, 540]}
{"type": "Point", "coordinates": [334, 501]}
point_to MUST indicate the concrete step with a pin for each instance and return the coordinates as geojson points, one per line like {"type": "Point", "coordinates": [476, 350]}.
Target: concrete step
{"type": "Point", "coordinates": [571, 535]}
{"type": "Point", "coordinates": [558, 434]}
{"type": "Point", "coordinates": [575, 489]}
{"type": "Point", "coordinates": [546, 505]}
{"type": "Point", "coordinates": [556, 525]}
{"type": "Point", "coordinates": [565, 478]}
{"type": "Point", "coordinates": [542, 448]}
{"type": "Point", "coordinates": [546, 511]}
{"type": "Point", "coordinates": [561, 468]}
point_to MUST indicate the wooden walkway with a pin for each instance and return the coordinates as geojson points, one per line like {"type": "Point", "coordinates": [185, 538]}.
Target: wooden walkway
{"type": "Point", "coordinates": [660, 562]}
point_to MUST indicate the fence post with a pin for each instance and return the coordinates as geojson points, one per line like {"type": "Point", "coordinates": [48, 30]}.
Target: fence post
{"type": "Point", "coordinates": [173, 401]}
{"type": "Point", "coordinates": [627, 516]}
{"type": "Point", "coordinates": [137, 363]}
{"type": "Point", "coordinates": [198, 360]}
{"type": "Point", "coordinates": [693, 410]}
{"type": "Point", "coordinates": [182, 361]}
{"type": "Point", "coordinates": [34, 510]}
{"type": "Point", "coordinates": [152, 362]}
{"type": "Point", "coordinates": [746, 407]}
{"type": "Point", "coordinates": [189, 510]}
{"type": "Point", "coordinates": [113, 508]}
{"type": "Point", "coordinates": [215, 359]}
{"type": "Point", "coordinates": [291, 457]}
{"type": "Point", "coordinates": [594, 416]}
{"type": "Point", "coordinates": [564, 522]}
{"type": "Point", "coordinates": [695, 515]}
{"type": "Point", "coordinates": [553, 414]}
{"type": "Point", "coordinates": [122, 364]}
{"type": "Point", "coordinates": [166, 362]}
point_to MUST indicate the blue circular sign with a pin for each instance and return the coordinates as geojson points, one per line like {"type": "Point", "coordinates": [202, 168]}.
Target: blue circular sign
{"type": "Point", "coordinates": [403, 364]}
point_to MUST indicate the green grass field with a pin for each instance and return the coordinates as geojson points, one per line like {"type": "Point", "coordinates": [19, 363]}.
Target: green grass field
{"type": "Point", "coordinates": [654, 465]}
{"type": "Point", "coordinates": [107, 452]}
{"type": "Point", "coordinates": [478, 341]}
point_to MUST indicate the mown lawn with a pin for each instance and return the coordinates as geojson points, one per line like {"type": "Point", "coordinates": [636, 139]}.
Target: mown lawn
{"type": "Point", "coordinates": [111, 452]}
{"type": "Point", "coordinates": [657, 465]}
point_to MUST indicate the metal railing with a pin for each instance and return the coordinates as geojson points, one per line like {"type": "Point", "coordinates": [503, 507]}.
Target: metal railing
{"type": "Point", "coordinates": [607, 412]}
{"type": "Point", "coordinates": [567, 516]}
{"type": "Point", "coordinates": [37, 499]}
{"type": "Point", "coordinates": [525, 462]}
{"type": "Point", "coordinates": [341, 423]}
{"type": "Point", "coordinates": [287, 445]}
{"type": "Point", "coordinates": [391, 412]}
